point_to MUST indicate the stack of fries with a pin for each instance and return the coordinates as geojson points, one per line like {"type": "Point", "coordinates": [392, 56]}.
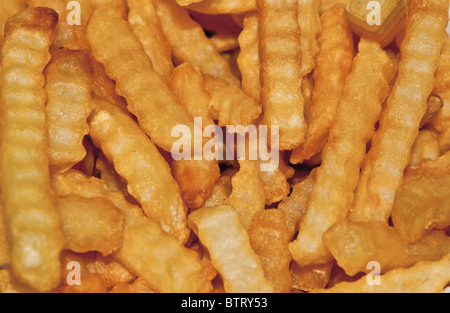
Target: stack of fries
{"type": "Point", "coordinates": [224, 146]}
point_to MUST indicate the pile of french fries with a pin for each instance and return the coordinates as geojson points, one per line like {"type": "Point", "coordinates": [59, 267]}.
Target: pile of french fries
{"type": "Point", "coordinates": [96, 195]}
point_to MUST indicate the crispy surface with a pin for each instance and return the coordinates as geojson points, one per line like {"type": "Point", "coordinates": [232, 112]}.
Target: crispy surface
{"type": "Point", "coordinates": [337, 177]}
{"type": "Point", "coordinates": [31, 218]}
{"type": "Point", "coordinates": [310, 28]}
{"type": "Point", "coordinates": [152, 185]}
{"type": "Point", "coordinates": [9, 8]}
{"type": "Point", "coordinates": [406, 105]}
{"type": "Point", "coordinates": [334, 63]}
{"type": "Point", "coordinates": [220, 231]}
{"type": "Point", "coordinates": [68, 87]}
{"type": "Point", "coordinates": [310, 277]}
{"type": "Point", "coordinates": [4, 247]}
{"type": "Point", "coordinates": [269, 238]}
{"type": "Point", "coordinates": [425, 147]}
{"type": "Point", "coordinates": [223, 6]}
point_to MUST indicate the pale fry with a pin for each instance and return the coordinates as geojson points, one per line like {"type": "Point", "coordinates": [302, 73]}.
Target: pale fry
{"type": "Point", "coordinates": [68, 87]}
{"type": "Point", "coordinates": [148, 96]}
{"type": "Point", "coordinates": [25, 179]}
{"type": "Point", "coordinates": [93, 224]}
{"type": "Point", "coordinates": [310, 28]}
{"type": "Point", "coordinates": [269, 238]}
{"type": "Point", "coordinates": [147, 27]}
{"type": "Point", "coordinates": [281, 55]}
{"type": "Point", "coordinates": [223, 6]}
{"type": "Point", "coordinates": [334, 63]}
{"type": "Point", "coordinates": [189, 42]}
{"type": "Point", "coordinates": [425, 276]}
{"type": "Point", "coordinates": [248, 59]}
{"type": "Point", "coordinates": [407, 103]}
{"type": "Point", "coordinates": [354, 245]}
{"type": "Point", "coordinates": [220, 231]}
{"type": "Point", "coordinates": [152, 185]}
{"type": "Point", "coordinates": [147, 251]}
{"type": "Point", "coordinates": [337, 177]}
{"type": "Point", "coordinates": [422, 203]}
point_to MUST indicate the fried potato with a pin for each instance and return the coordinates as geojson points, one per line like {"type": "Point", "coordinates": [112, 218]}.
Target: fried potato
{"type": "Point", "coordinates": [310, 277]}
{"type": "Point", "coordinates": [137, 286]}
{"type": "Point", "coordinates": [325, 5]}
{"type": "Point", "coordinates": [148, 96]}
{"type": "Point", "coordinates": [425, 276]}
{"type": "Point", "coordinates": [248, 59]}
{"type": "Point", "coordinates": [153, 185]}
{"type": "Point", "coordinates": [310, 28]}
{"type": "Point", "coordinates": [189, 42]}
{"type": "Point", "coordinates": [440, 165]}
{"type": "Point", "coordinates": [422, 203]}
{"type": "Point", "coordinates": [68, 87]}
{"type": "Point", "coordinates": [425, 147]}
{"type": "Point", "coordinates": [269, 238]}
{"type": "Point", "coordinates": [90, 224]}
{"type": "Point", "coordinates": [229, 104]}
{"type": "Point", "coordinates": [434, 106]}
{"type": "Point", "coordinates": [146, 250]}
{"type": "Point", "coordinates": [343, 155]}
{"type": "Point", "coordinates": [281, 55]}
{"type": "Point", "coordinates": [147, 27]}
{"type": "Point", "coordinates": [25, 180]}
{"type": "Point", "coordinates": [87, 165]}
{"type": "Point", "coordinates": [196, 180]}
{"type": "Point", "coordinates": [222, 6]}
{"type": "Point", "coordinates": [111, 271]}
{"type": "Point", "coordinates": [220, 231]}
{"type": "Point", "coordinates": [118, 6]}
{"type": "Point", "coordinates": [334, 63]}
{"type": "Point", "coordinates": [9, 8]}
{"type": "Point", "coordinates": [9, 285]}
{"type": "Point", "coordinates": [294, 206]}
{"type": "Point", "coordinates": [399, 124]}
{"type": "Point", "coordinates": [188, 85]}
{"type": "Point", "coordinates": [4, 247]}
{"type": "Point", "coordinates": [354, 245]}
{"type": "Point", "coordinates": [276, 187]}
{"type": "Point", "coordinates": [222, 189]}
{"type": "Point", "coordinates": [224, 43]}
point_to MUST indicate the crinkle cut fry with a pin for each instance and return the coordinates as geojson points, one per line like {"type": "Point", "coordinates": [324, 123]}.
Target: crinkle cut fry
{"type": "Point", "coordinates": [281, 55]}
{"type": "Point", "coordinates": [389, 155]}
{"type": "Point", "coordinates": [32, 220]}
{"type": "Point", "coordinates": [223, 6]}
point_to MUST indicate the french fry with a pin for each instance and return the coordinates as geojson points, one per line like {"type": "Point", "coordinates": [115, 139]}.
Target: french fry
{"type": "Point", "coordinates": [425, 147]}
{"type": "Point", "coordinates": [137, 286]}
{"type": "Point", "coordinates": [334, 63]}
{"type": "Point", "coordinates": [118, 6]}
{"type": "Point", "coordinates": [310, 277]}
{"type": "Point", "coordinates": [276, 187]}
{"type": "Point", "coordinates": [4, 247]}
{"type": "Point", "coordinates": [354, 245]}
{"type": "Point", "coordinates": [147, 27]}
{"type": "Point", "coordinates": [93, 224]}
{"type": "Point", "coordinates": [189, 42]}
{"type": "Point", "coordinates": [9, 285]}
{"type": "Point", "coordinates": [399, 124]}
{"type": "Point", "coordinates": [68, 87]}
{"type": "Point", "coordinates": [337, 177]}
{"type": "Point", "coordinates": [239, 267]}
{"type": "Point", "coordinates": [25, 180]}
{"type": "Point", "coordinates": [110, 270]}
{"type": "Point", "coordinates": [147, 251]}
{"type": "Point", "coordinates": [222, 6]}
{"type": "Point", "coordinates": [425, 276]}
{"type": "Point", "coordinates": [310, 28]}
{"type": "Point", "coordinates": [87, 165]}
{"type": "Point", "coordinates": [222, 189]}
{"type": "Point", "coordinates": [148, 96]}
{"type": "Point", "coordinates": [440, 165]}
{"type": "Point", "coordinates": [224, 43]}
{"type": "Point", "coordinates": [153, 185]}
{"type": "Point", "coordinates": [9, 8]}
{"type": "Point", "coordinates": [281, 54]}
{"type": "Point", "coordinates": [269, 238]}
{"type": "Point", "coordinates": [422, 203]}
{"type": "Point", "coordinates": [434, 106]}
{"type": "Point", "coordinates": [325, 5]}
{"type": "Point", "coordinates": [248, 59]}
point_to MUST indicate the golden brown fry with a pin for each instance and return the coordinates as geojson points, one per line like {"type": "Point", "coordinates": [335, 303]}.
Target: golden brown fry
{"type": "Point", "coordinates": [118, 6]}
{"type": "Point", "coordinates": [325, 5]}
{"type": "Point", "coordinates": [269, 238]}
{"type": "Point", "coordinates": [220, 231]}
{"type": "Point", "coordinates": [224, 43]}
{"type": "Point", "coordinates": [399, 124]}
{"type": "Point", "coordinates": [147, 27]}
{"type": "Point", "coordinates": [189, 42]}
{"type": "Point", "coordinates": [152, 184]}
{"type": "Point", "coordinates": [10, 285]}
{"type": "Point", "coordinates": [4, 247]}
{"type": "Point", "coordinates": [440, 165]}
{"type": "Point", "coordinates": [93, 224]}
{"type": "Point", "coordinates": [334, 64]}
{"type": "Point", "coordinates": [229, 104]}
{"type": "Point", "coordinates": [223, 6]}
{"type": "Point", "coordinates": [425, 276]}
{"type": "Point", "coordinates": [281, 55]}
{"type": "Point", "coordinates": [276, 187]}
{"type": "Point", "coordinates": [425, 147]}
{"type": "Point", "coordinates": [137, 286]}
{"type": "Point", "coordinates": [337, 177]}
{"type": "Point", "coordinates": [310, 277]}
{"type": "Point", "coordinates": [354, 245]}
{"type": "Point", "coordinates": [87, 165]}
{"type": "Point", "coordinates": [111, 271]}
{"type": "Point", "coordinates": [248, 60]}
{"type": "Point", "coordinates": [294, 207]}
{"type": "Point", "coordinates": [147, 251]}
{"type": "Point", "coordinates": [222, 189]}
{"type": "Point", "coordinates": [68, 87]}
{"type": "Point", "coordinates": [434, 106]}
{"type": "Point", "coordinates": [9, 8]}
{"type": "Point", "coordinates": [148, 96]}
{"type": "Point", "coordinates": [310, 28]}
{"type": "Point", "coordinates": [25, 180]}
{"type": "Point", "coordinates": [422, 203]}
